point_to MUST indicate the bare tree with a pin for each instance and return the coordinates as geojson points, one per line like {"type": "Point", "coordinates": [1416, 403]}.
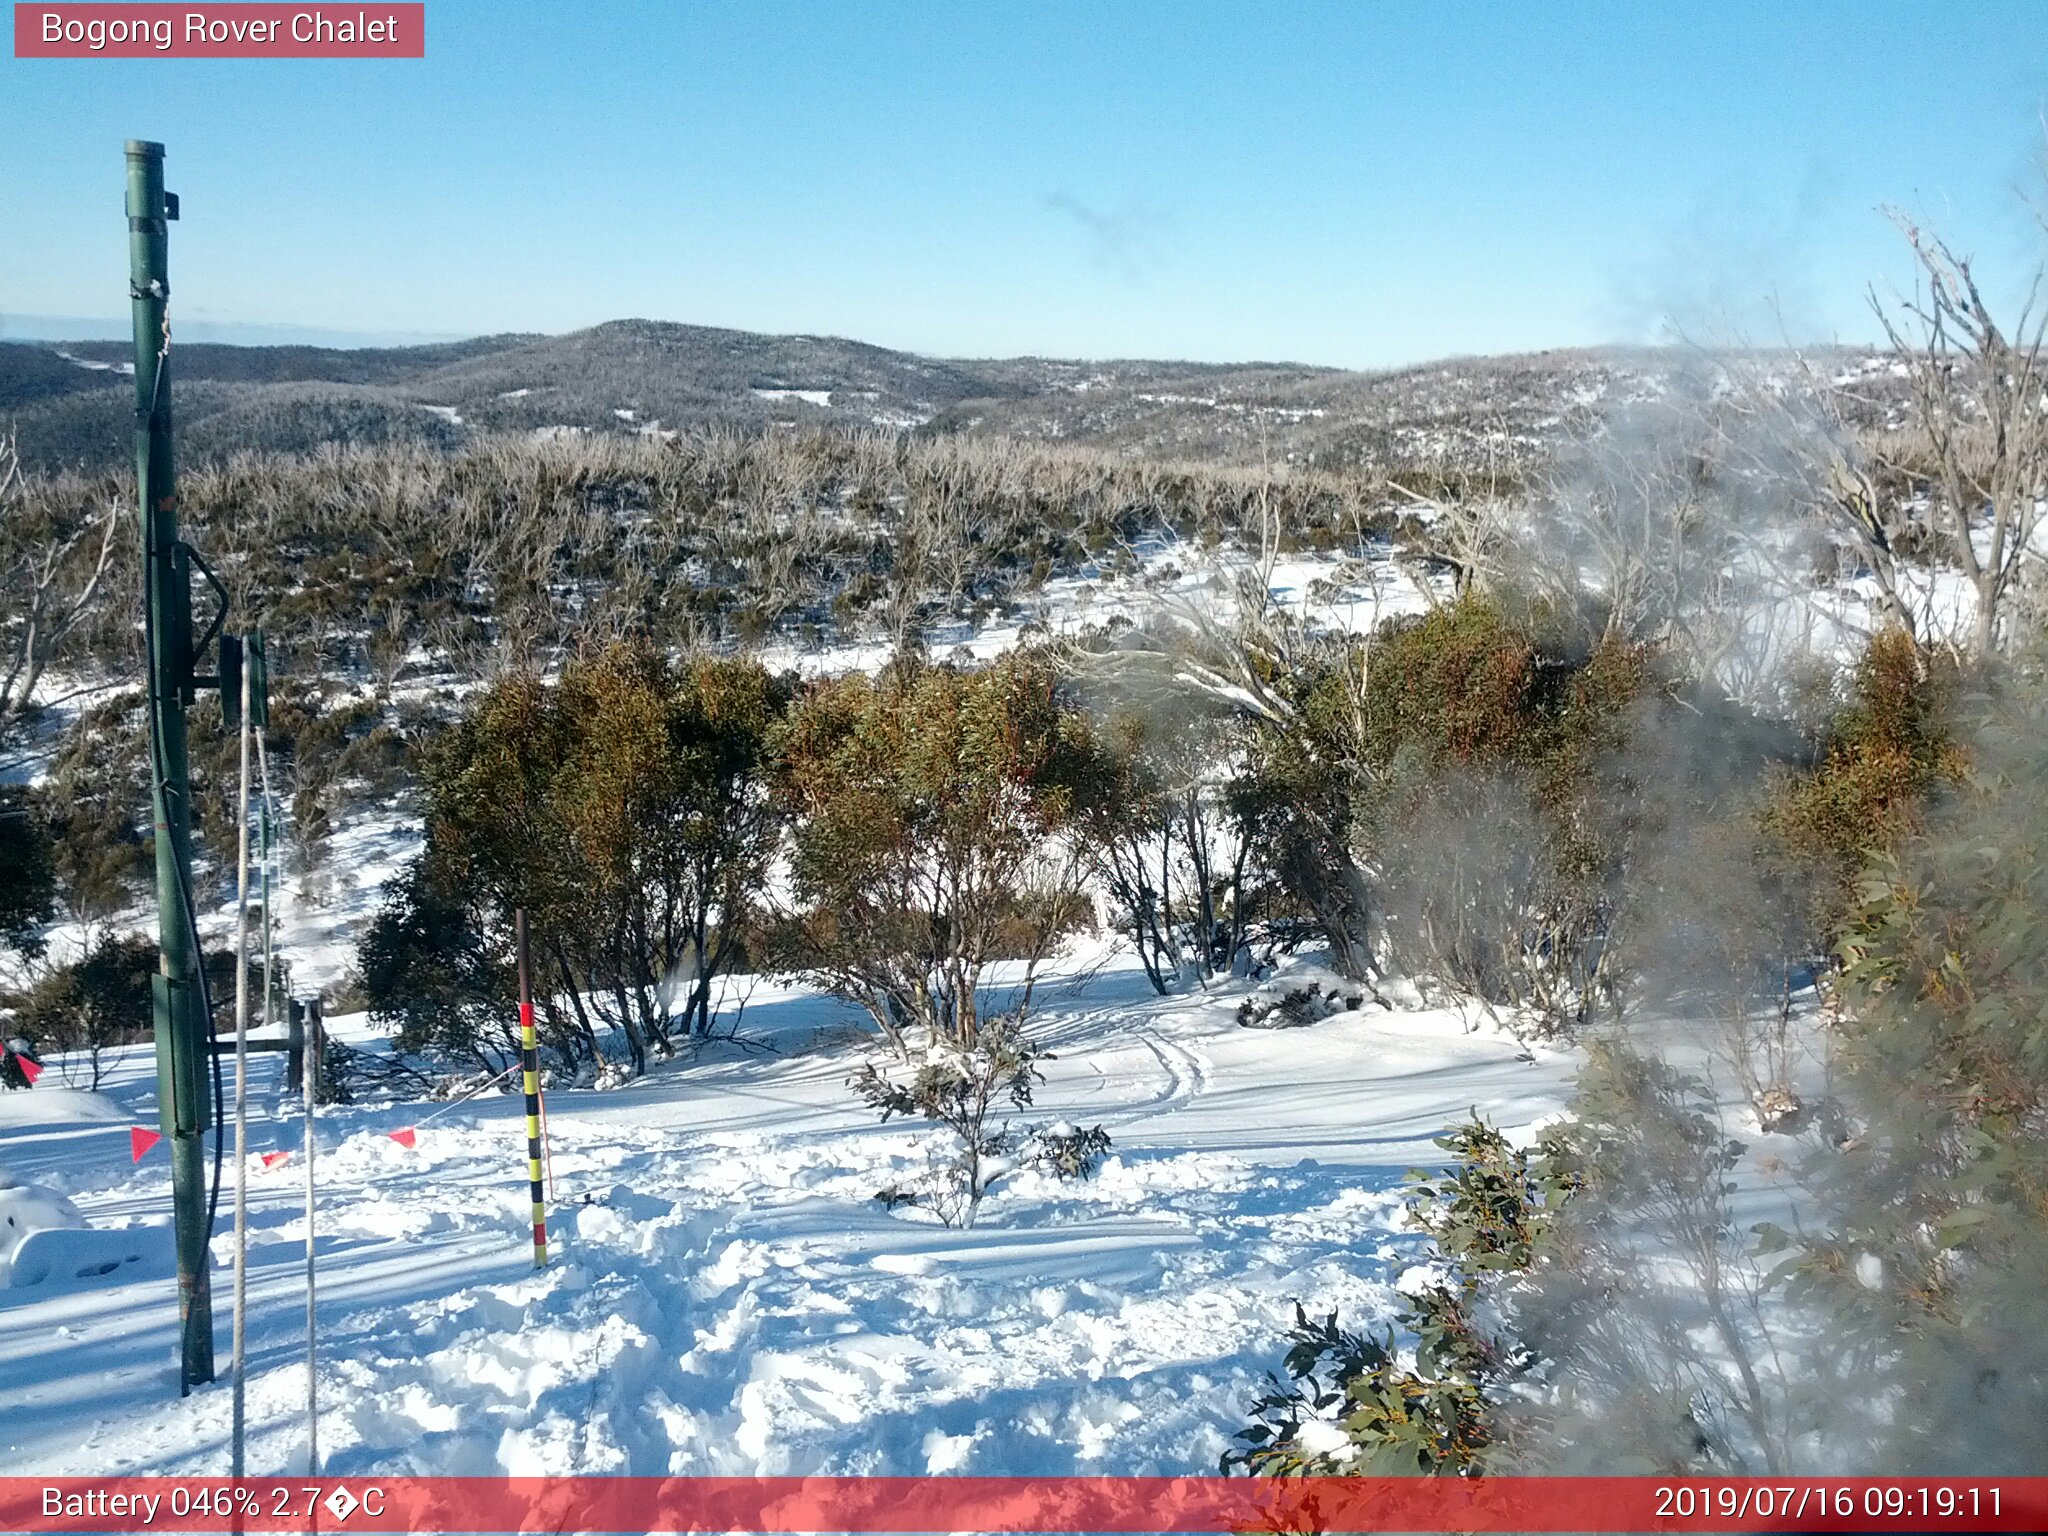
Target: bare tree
{"type": "Point", "coordinates": [49, 577]}
{"type": "Point", "coordinates": [1959, 473]}
{"type": "Point", "coordinates": [1977, 399]}
{"type": "Point", "coordinates": [1248, 663]}
{"type": "Point", "coordinates": [1168, 847]}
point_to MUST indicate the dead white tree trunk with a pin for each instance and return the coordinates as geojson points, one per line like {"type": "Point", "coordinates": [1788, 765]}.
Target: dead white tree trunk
{"type": "Point", "coordinates": [48, 579]}
{"type": "Point", "coordinates": [1976, 396]}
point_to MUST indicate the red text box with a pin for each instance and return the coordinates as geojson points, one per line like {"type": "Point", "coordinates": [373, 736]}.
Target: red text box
{"type": "Point", "coordinates": [1181, 1506]}
{"type": "Point", "coordinates": [235, 31]}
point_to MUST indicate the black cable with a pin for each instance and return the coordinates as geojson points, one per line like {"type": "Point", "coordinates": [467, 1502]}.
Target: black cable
{"type": "Point", "coordinates": [212, 1039]}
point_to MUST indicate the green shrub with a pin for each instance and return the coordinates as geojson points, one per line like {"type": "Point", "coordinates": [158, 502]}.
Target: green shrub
{"type": "Point", "coordinates": [1886, 751]}
{"type": "Point", "coordinates": [28, 873]}
{"type": "Point", "coordinates": [1934, 1216]}
{"type": "Point", "coordinates": [958, 1089]}
{"type": "Point", "coordinates": [430, 974]}
{"type": "Point", "coordinates": [1489, 783]}
{"type": "Point", "coordinates": [1353, 1404]}
{"type": "Point", "coordinates": [103, 1000]}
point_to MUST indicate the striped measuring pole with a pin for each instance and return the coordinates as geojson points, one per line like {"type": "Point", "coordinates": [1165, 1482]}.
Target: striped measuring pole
{"type": "Point", "coordinates": [529, 1060]}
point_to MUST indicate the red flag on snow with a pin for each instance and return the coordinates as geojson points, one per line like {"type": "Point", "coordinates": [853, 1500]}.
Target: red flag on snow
{"type": "Point", "coordinates": [404, 1138]}
{"type": "Point", "coordinates": [140, 1141]}
{"type": "Point", "coordinates": [30, 1067]}
{"type": "Point", "coordinates": [272, 1159]}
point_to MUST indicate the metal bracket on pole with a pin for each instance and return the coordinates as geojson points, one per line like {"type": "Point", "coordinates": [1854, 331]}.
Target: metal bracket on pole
{"type": "Point", "coordinates": [193, 680]}
{"type": "Point", "coordinates": [229, 681]}
{"type": "Point", "coordinates": [259, 683]}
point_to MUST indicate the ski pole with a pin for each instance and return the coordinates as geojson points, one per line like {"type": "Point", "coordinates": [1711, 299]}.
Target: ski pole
{"type": "Point", "coordinates": [311, 1071]}
{"type": "Point", "coordinates": [239, 1436]}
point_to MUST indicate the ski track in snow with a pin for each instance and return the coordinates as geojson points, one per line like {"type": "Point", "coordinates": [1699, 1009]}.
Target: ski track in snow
{"type": "Point", "coordinates": [726, 1297]}
{"type": "Point", "coordinates": [1186, 1074]}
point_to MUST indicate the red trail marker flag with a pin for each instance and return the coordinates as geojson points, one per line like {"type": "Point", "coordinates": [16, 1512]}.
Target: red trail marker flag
{"type": "Point", "coordinates": [140, 1141]}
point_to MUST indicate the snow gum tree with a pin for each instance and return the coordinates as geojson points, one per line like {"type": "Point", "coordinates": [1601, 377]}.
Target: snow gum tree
{"type": "Point", "coordinates": [1423, 791]}
{"type": "Point", "coordinates": [1171, 834]}
{"type": "Point", "coordinates": [1973, 461]}
{"type": "Point", "coordinates": [1485, 752]}
{"type": "Point", "coordinates": [95, 803]}
{"type": "Point", "coordinates": [627, 809]}
{"type": "Point", "coordinates": [433, 976]}
{"type": "Point", "coordinates": [932, 813]}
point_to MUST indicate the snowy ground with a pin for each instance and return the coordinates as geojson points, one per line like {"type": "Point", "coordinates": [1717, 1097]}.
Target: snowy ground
{"type": "Point", "coordinates": [1338, 593]}
{"type": "Point", "coordinates": [726, 1296]}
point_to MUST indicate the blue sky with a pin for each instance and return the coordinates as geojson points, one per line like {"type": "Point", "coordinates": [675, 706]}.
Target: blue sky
{"type": "Point", "coordinates": [1360, 184]}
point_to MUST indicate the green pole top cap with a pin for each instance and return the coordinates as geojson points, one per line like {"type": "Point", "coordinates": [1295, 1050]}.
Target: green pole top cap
{"type": "Point", "coordinates": [146, 148]}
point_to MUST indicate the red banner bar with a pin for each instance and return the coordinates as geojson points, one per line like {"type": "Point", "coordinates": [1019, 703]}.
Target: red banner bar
{"type": "Point", "coordinates": [372, 30]}
{"type": "Point", "coordinates": [1036, 1504]}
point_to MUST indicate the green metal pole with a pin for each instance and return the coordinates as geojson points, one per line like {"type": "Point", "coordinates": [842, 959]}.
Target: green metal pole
{"type": "Point", "coordinates": [182, 1042]}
